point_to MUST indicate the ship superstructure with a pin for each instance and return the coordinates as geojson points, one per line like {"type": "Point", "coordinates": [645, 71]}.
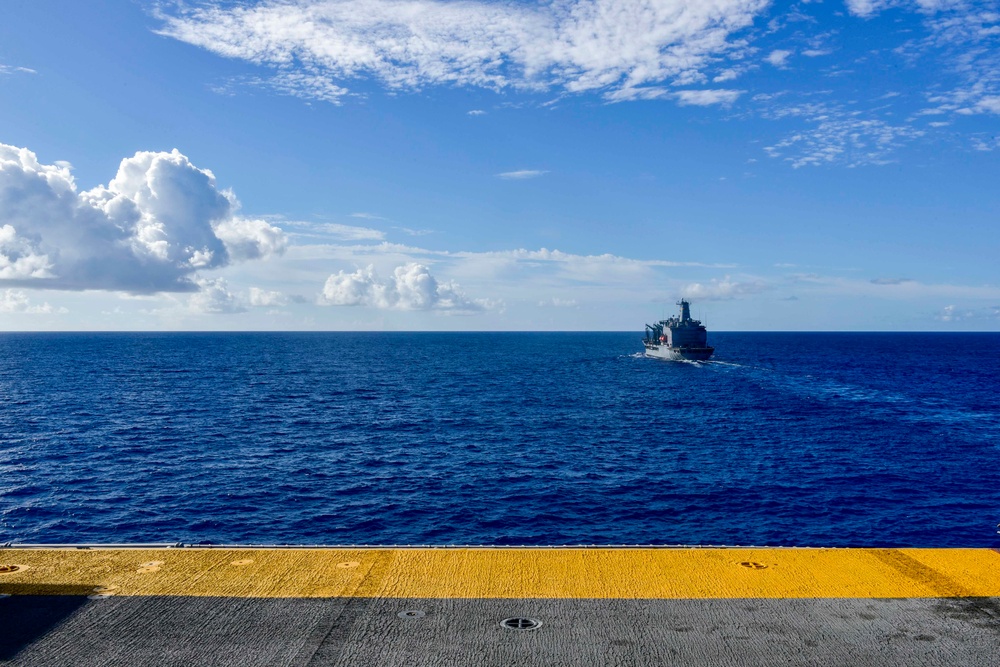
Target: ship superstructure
{"type": "Point", "coordinates": [678, 338]}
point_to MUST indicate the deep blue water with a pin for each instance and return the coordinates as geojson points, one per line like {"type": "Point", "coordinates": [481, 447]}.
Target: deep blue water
{"type": "Point", "coordinates": [566, 438]}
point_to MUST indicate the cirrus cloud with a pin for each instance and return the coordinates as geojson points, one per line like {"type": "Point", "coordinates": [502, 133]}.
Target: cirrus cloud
{"type": "Point", "coordinates": [521, 174]}
{"type": "Point", "coordinates": [573, 45]}
{"type": "Point", "coordinates": [724, 289]}
{"type": "Point", "coordinates": [704, 98]}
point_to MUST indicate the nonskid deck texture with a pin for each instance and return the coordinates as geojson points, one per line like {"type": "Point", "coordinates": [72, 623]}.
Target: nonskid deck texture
{"type": "Point", "coordinates": [444, 606]}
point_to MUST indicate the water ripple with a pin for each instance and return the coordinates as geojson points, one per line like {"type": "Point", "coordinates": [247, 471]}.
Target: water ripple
{"type": "Point", "coordinates": [784, 439]}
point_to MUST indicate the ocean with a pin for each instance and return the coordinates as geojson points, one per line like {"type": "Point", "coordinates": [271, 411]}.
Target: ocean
{"type": "Point", "coordinates": [787, 439]}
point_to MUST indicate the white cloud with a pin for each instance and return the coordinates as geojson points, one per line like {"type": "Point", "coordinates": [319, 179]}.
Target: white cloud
{"type": "Point", "coordinates": [950, 314]}
{"type": "Point", "coordinates": [411, 287]}
{"type": "Point", "coordinates": [727, 75]}
{"type": "Point", "coordinates": [556, 302]}
{"type": "Point", "coordinates": [415, 232]}
{"type": "Point", "coordinates": [148, 230]}
{"type": "Point", "coordinates": [868, 8]}
{"type": "Point", "coordinates": [16, 301]}
{"type": "Point", "coordinates": [19, 259]}
{"type": "Point", "coordinates": [476, 112]}
{"type": "Point", "coordinates": [987, 104]}
{"type": "Point", "coordinates": [251, 239]}
{"type": "Point", "coordinates": [890, 281]}
{"type": "Point", "coordinates": [707, 97]}
{"type": "Point", "coordinates": [633, 94]}
{"type": "Point", "coordinates": [502, 264]}
{"type": "Point", "coordinates": [10, 69]}
{"type": "Point", "coordinates": [984, 145]}
{"type": "Point", "coordinates": [901, 288]}
{"type": "Point", "coordinates": [306, 85]}
{"type": "Point", "coordinates": [778, 57]}
{"type": "Point", "coordinates": [215, 298]}
{"type": "Point", "coordinates": [350, 232]}
{"type": "Point", "coordinates": [726, 288]}
{"type": "Point", "coordinates": [576, 45]}
{"type": "Point", "coordinates": [261, 298]}
{"type": "Point", "coordinates": [965, 38]}
{"type": "Point", "coordinates": [957, 50]}
{"type": "Point", "coordinates": [581, 268]}
{"type": "Point", "coordinates": [353, 233]}
{"type": "Point", "coordinates": [521, 174]}
{"type": "Point", "coordinates": [837, 136]}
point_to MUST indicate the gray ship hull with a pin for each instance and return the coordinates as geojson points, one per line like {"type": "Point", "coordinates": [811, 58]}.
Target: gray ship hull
{"type": "Point", "coordinates": [678, 338]}
{"type": "Point", "coordinates": [679, 353]}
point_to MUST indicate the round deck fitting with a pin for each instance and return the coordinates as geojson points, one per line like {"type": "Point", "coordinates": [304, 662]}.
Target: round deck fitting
{"type": "Point", "coordinates": [520, 623]}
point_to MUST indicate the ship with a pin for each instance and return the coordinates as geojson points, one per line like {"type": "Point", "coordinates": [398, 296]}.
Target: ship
{"type": "Point", "coordinates": [678, 338]}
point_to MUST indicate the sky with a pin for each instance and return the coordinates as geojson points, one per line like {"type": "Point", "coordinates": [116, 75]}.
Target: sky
{"type": "Point", "coordinates": [449, 165]}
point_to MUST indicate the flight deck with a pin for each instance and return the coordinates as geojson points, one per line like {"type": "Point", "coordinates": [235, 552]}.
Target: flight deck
{"type": "Point", "coordinates": [181, 605]}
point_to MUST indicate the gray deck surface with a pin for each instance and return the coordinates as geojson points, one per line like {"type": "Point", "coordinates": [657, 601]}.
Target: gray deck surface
{"type": "Point", "coordinates": [74, 630]}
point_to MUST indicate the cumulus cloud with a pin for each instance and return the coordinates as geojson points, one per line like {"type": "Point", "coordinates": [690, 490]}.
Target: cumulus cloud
{"type": "Point", "coordinates": [261, 298]}
{"type": "Point", "coordinates": [19, 258]}
{"type": "Point", "coordinates": [948, 314]}
{"type": "Point", "coordinates": [250, 239]}
{"type": "Point", "coordinates": [575, 45]}
{"type": "Point", "coordinates": [411, 287]}
{"type": "Point", "coordinates": [214, 297]}
{"type": "Point", "coordinates": [521, 174]}
{"type": "Point", "coordinates": [156, 223]}
{"type": "Point", "coordinates": [16, 301]}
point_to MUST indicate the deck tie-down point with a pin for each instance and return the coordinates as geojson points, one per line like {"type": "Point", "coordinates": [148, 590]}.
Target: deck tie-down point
{"type": "Point", "coordinates": [753, 565]}
{"type": "Point", "coordinates": [520, 623]}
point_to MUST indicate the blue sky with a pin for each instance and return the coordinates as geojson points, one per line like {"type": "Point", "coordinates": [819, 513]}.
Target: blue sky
{"type": "Point", "coordinates": [429, 165]}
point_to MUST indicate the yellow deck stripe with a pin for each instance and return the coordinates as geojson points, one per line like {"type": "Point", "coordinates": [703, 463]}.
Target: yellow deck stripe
{"type": "Point", "coordinates": [507, 573]}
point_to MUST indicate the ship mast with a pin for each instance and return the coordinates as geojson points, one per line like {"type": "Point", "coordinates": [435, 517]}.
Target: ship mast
{"type": "Point", "coordinates": [685, 310]}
